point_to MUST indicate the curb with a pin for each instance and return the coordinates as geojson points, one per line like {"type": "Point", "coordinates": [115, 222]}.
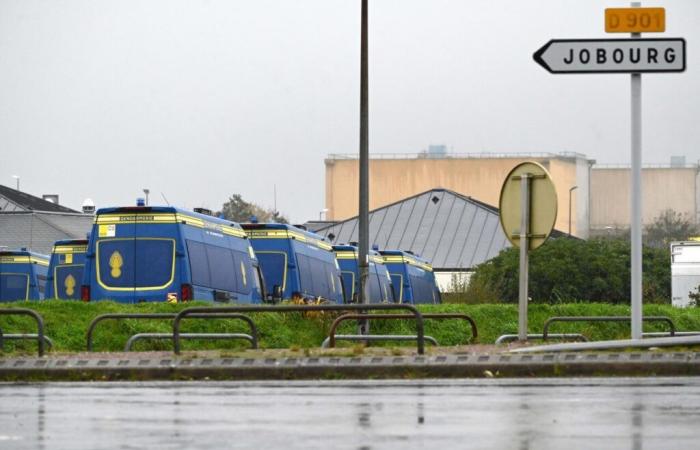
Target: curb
{"type": "Point", "coordinates": [443, 366]}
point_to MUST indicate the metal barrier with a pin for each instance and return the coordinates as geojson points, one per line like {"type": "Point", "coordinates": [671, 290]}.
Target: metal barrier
{"type": "Point", "coordinates": [39, 323]}
{"type": "Point", "coordinates": [146, 316]}
{"type": "Point", "coordinates": [344, 317]}
{"type": "Point", "coordinates": [215, 336]}
{"type": "Point", "coordinates": [24, 336]}
{"type": "Point", "coordinates": [548, 322]}
{"type": "Point", "coordinates": [300, 308]}
{"type": "Point", "coordinates": [514, 337]}
{"type": "Point", "coordinates": [377, 337]}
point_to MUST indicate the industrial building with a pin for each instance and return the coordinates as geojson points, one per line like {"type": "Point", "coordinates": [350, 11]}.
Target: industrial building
{"type": "Point", "coordinates": [593, 199]}
{"type": "Point", "coordinates": [393, 177]}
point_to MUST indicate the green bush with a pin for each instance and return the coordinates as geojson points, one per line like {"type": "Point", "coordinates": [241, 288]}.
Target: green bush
{"type": "Point", "coordinates": [566, 270]}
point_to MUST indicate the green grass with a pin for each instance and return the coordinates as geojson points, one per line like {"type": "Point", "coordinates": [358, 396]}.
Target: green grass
{"type": "Point", "coordinates": [66, 323]}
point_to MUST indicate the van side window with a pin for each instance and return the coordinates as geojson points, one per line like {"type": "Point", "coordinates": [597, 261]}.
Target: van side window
{"type": "Point", "coordinates": [244, 274]}
{"type": "Point", "coordinates": [305, 276]}
{"type": "Point", "coordinates": [199, 265]}
{"type": "Point", "coordinates": [222, 267]}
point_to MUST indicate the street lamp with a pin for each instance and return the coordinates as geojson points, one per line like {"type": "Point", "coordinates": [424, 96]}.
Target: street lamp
{"type": "Point", "coordinates": [16, 177]}
{"type": "Point", "coordinates": [146, 191]}
{"type": "Point", "coordinates": [571, 189]}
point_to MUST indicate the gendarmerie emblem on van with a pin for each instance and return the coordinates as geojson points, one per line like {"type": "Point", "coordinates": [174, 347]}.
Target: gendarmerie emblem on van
{"type": "Point", "coordinates": [69, 284]}
{"type": "Point", "coordinates": [115, 263]}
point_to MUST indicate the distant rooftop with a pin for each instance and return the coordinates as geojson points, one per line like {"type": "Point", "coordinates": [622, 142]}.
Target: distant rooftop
{"type": "Point", "coordinates": [450, 230]}
{"type": "Point", "coordinates": [14, 200]}
{"type": "Point", "coordinates": [448, 155]}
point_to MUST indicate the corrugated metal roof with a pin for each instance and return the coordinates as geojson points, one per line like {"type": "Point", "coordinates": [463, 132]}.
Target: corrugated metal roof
{"type": "Point", "coordinates": [17, 200]}
{"type": "Point", "coordinates": [38, 231]}
{"type": "Point", "coordinates": [450, 230]}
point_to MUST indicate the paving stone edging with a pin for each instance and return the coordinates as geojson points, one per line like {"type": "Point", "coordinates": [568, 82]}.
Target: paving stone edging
{"type": "Point", "coordinates": [360, 367]}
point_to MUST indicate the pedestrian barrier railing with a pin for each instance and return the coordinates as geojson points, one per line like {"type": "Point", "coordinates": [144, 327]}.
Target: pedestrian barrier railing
{"type": "Point", "coordinates": [332, 337]}
{"type": "Point", "coordinates": [567, 336]}
{"type": "Point", "coordinates": [375, 337]}
{"type": "Point", "coordinates": [185, 313]}
{"type": "Point", "coordinates": [23, 337]}
{"type": "Point", "coordinates": [551, 320]}
{"type": "Point", "coordinates": [40, 338]}
{"type": "Point", "coordinates": [207, 336]}
{"type": "Point", "coordinates": [150, 316]}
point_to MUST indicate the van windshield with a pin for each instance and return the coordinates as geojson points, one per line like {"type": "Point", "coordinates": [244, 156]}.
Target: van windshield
{"type": "Point", "coordinates": [146, 263]}
{"type": "Point", "coordinates": [14, 286]}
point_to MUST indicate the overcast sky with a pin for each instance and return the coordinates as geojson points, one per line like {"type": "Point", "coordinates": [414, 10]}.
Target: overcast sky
{"type": "Point", "coordinates": [202, 99]}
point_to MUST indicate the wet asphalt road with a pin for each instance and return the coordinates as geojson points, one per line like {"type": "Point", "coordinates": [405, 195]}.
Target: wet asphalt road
{"type": "Point", "coordinates": [627, 413]}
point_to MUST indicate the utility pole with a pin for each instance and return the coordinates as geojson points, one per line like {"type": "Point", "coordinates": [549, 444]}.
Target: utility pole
{"type": "Point", "coordinates": [363, 251]}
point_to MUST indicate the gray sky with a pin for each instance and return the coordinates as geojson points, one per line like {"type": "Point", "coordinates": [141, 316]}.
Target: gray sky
{"type": "Point", "coordinates": [202, 99]}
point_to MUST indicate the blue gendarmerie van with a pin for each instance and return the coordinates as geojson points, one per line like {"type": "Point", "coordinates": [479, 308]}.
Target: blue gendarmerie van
{"type": "Point", "coordinates": [380, 289]}
{"type": "Point", "coordinates": [22, 275]}
{"type": "Point", "coordinates": [161, 253]}
{"type": "Point", "coordinates": [412, 277]}
{"type": "Point", "coordinates": [66, 267]}
{"type": "Point", "coordinates": [296, 264]}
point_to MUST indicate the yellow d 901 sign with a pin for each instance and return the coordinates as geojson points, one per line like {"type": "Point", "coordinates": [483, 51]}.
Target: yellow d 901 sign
{"type": "Point", "coordinates": [542, 199]}
{"type": "Point", "coordinates": [635, 20]}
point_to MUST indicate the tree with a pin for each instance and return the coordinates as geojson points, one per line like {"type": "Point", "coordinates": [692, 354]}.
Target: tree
{"type": "Point", "coordinates": [236, 209]}
{"type": "Point", "coordinates": [667, 227]}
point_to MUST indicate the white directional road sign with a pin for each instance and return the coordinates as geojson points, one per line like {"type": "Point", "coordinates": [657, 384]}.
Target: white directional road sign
{"type": "Point", "coordinates": [612, 55]}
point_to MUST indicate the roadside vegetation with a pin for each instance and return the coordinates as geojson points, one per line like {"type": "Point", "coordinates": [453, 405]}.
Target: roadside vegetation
{"type": "Point", "coordinates": [67, 321]}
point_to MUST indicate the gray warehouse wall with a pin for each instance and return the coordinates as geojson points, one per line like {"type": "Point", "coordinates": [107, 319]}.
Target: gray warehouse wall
{"type": "Point", "coordinates": [663, 188]}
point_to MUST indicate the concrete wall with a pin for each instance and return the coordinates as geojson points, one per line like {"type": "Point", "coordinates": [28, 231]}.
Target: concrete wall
{"type": "Point", "coordinates": [662, 189]}
{"type": "Point", "coordinates": [481, 178]}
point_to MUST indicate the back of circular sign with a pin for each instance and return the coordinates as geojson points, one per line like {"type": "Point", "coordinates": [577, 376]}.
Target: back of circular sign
{"type": "Point", "coordinates": [543, 204]}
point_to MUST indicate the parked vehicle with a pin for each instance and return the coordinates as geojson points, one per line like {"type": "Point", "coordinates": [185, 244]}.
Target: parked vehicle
{"type": "Point", "coordinates": [380, 288]}
{"type": "Point", "coordinates": [66, 266]}
{"type": "Point", "coordinates": [296, 264]}
{"type": "Point", "coordinates": [22, 275]}
{"type": "Point", "coordinates": [156, 254]}
{"type": "Point", "coordinates": [685, 272]}
{"type": "Point", "coordinates": [412, 277]}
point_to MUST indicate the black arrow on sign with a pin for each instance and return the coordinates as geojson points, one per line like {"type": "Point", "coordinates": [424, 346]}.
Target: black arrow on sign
{"type": "Point", "coordinates": [537, 56]}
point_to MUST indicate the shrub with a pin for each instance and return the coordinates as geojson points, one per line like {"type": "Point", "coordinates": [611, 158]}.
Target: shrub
{"type": "Point", "coordinates": [563, 270]}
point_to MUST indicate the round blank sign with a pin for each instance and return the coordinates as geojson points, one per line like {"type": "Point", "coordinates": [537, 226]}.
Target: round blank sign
{"type": "Point", "coordinates": [543, 204]}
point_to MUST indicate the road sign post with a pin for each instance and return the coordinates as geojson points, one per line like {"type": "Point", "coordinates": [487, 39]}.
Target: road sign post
{"type": "Point", "coordinates": [524, 276]}
{"type": "Point", "coordinates": [527, 210]}
{"type": "Point", "coordinates": [634, 56]}
{"type": "Point", "coordinates": [636, 196]}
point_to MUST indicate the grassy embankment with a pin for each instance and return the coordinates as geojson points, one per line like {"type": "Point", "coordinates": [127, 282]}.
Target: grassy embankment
{"type": "Point", "coordinates": [67, 322]}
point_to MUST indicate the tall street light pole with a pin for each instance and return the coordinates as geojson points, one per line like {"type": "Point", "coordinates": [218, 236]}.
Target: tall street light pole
{"type": "Point", "coordinates": [571, 189]}
{"type": "Point", "coordinates": [363, 251]}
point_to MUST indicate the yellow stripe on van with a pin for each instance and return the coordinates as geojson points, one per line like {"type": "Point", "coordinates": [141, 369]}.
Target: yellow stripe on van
{"type": "Point", "coordinates": [407, 260]}
{"type": "Point", "coordinates": [131, 218]}
{"type": "Point", "coordinates": [63, 249]}
{"type": "Point", "coordinates": [15, 259]}
{"type": "Point", "coordinates": [287, 234]}
{"type": "Point", "coordinates": [346, 255]}
{"type": "Point", "coordinates": [166, 218]}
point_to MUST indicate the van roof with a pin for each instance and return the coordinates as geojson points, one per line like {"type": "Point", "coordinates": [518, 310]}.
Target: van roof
{"type": "Point", "coordinates": [403, 256]}
{"type": "Point", "coordinates": [71, 242]}
{"type": "Point", "coordinates": [22, 252]}
{"type": "Point", "coordinates": [164, 209]}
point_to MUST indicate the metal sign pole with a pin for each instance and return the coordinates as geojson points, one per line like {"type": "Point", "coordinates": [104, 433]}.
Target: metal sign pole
{"type": "Point", "coordinates": [524, 247]}
{"type": "Point", "coordinates": [363, 250]}
{"type": "Point", "coordinates": [636, 196]}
